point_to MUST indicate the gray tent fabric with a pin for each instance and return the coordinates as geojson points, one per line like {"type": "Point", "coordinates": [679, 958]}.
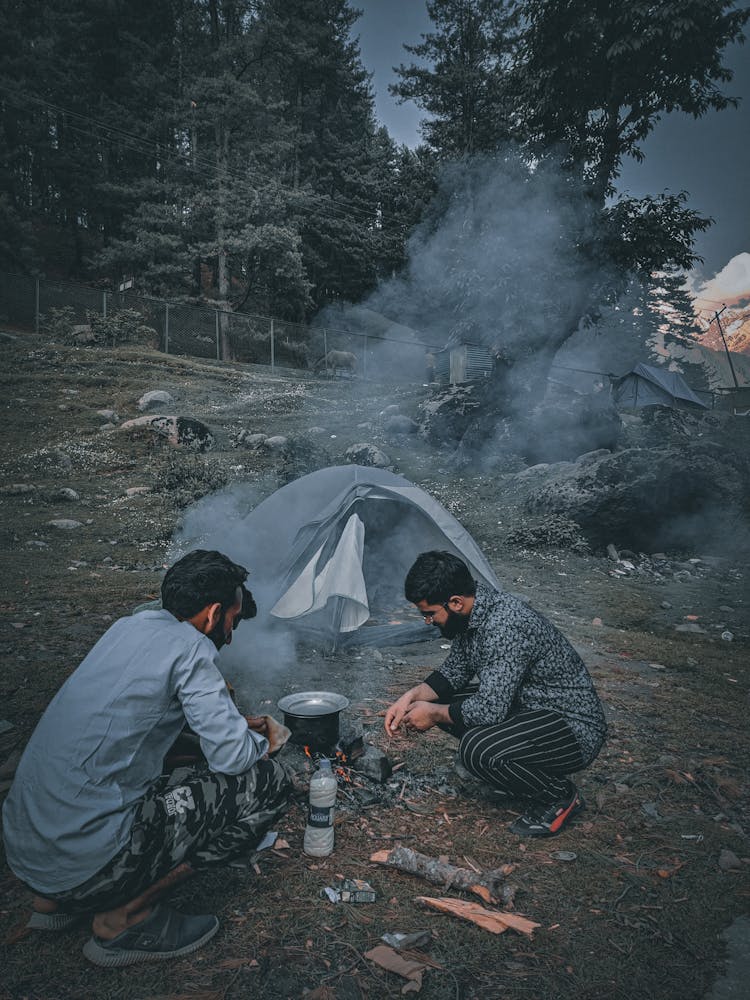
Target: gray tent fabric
{"type": "Point", "coordinates": [328, 552]}
{"type": "Point", "coordinates": [646, 385]}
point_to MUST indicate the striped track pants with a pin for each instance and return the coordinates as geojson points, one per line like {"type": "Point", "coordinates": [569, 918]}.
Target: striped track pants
{"type": "Point", "coordinates": [528, 755]}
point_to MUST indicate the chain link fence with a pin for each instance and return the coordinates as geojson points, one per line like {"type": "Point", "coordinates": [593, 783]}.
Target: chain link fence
{"type": "Point", "coordinates": [45, 305]}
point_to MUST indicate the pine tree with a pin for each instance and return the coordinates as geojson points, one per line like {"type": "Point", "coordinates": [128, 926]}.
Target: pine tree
{"type": "Point", "coordinates": [459, 79]}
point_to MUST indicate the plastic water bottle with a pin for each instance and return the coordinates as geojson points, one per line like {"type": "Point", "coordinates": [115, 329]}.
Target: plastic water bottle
{"type": "Point", "coordinates": [318, 840]}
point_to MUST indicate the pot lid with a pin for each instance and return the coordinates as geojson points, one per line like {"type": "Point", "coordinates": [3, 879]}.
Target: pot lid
{"type": "Point", "coordinates": [312, 703]}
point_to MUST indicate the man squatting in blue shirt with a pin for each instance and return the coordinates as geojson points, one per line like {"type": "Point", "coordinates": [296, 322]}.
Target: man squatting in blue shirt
{"type": "Point", "coordinates": [533, 719]}
{"type": "Point", "coordinates": [92, 825]}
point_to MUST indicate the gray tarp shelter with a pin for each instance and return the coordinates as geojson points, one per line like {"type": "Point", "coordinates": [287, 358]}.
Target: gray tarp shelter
{"type": "Point", "coordinates": [646, 385]}
{"type": "Point", "coordinates": [328, 554]}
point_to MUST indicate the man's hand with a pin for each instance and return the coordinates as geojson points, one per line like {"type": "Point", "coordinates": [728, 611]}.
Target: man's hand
{"type": "Point", "coordinates": [422, 715]}
{"type": "Point", "coordinates": [395, 717]}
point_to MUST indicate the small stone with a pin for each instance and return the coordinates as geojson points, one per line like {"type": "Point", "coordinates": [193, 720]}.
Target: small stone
{"type": "Point", "coordinates": [34, 543]}
{"type": "Point", "coordinates": [65, 524]}
{"type": "Point", "coordinates": [728, 860]}
{"type": "Point", "coordinates": [155, 399]}
{"type": "Point", "coordinates": [666, 605]}
{"type": "Point", "coordinates": [136, 491]}
{"type": "Point", "coordinates": [690, 627]}
{"type": "Point", "coordinates": [612, 553]}
{"type": "Point", "coordinates": [108, 415]}
{"type": "Point", "coordinates": [597, 621]}
{"type": "Point", "coordinates": [65, 493]}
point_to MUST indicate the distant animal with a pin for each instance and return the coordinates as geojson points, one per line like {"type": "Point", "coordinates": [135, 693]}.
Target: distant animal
{"type": "Point", "coordinates": [338, 361]}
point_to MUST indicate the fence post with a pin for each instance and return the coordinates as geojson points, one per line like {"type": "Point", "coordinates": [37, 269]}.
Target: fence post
{"type": "Point", "coordinates": [273, 348]}
{"type": "Point", "coordinates": [218, 338]}
{"type": "Point", "coordinates": [166, 328]}
{"type": "Point", "coordinates": [36, 306]}
{"type": "Point", "coordinates": [104, 304]}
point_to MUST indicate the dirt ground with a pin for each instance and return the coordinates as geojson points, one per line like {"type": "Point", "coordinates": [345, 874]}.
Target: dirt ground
{"type": "Point", "coordinates": [660, 857]}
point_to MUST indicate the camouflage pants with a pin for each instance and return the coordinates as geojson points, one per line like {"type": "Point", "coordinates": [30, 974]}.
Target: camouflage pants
{"type": "Point", "coordinates": [190, 815]}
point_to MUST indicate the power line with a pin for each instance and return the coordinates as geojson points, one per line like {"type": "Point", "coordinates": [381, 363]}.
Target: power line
{"type": "Point", "coordinates": [142, 144]}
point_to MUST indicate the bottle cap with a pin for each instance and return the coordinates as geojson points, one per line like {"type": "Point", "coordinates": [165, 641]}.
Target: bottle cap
{"type": "Point", "coordinates": [324, 764]}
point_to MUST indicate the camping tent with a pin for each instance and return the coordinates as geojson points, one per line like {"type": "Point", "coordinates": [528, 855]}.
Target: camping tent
{"type": "Point", "coordinates": [328, 553]}
{"type": "Point", "coordinates": [646, 385]}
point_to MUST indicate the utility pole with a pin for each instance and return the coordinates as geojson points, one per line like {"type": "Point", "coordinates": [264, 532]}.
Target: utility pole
{"type": "Point", "coordinates": [723, 340]}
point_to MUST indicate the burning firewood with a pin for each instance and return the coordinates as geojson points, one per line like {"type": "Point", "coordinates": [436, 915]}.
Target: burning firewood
{"type": "Point", "coordinates": [489, 886]}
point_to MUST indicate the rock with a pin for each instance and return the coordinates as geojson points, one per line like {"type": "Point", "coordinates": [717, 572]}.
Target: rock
{"type": "Point", "coordinates": [34, 543]}
{"type": "Point", "coordinates": [612, 553]}
{"type": "Point", "coordinates": [65, 493]}
{"type": "Point", "coordinates": [592, 456]}
{"type": "Point", "coordinates": [389, 411]}
{"type": "Point", "coordinates": [154, 400]}
{"type": "Point", "coordinates": [65, 524]}
{"type": "Point", "coordinates": [445, 416]}
{"type": "Point", "coordinates": [275, 443]}
{"type": "Point", "coordinates": [367, 454]}
{"type": "Point", "coordinates": [690, 627]}
{"type": "Point", "coordinates": [299, 457]}
{"type": "Point", "coordinates": [248, 440]}
{"type": "Point", "coordinates": [137, 491]}
{"type": "Point", "coordinates": [178, 430]}
{"type": "Point", "coordinates": [728, 860]}
{"type": "Point", "coordinates": [316, 430]}
{"type": "Point", "coordinates": [644, 497]}
{"type": "Point", "coordinates": [666, 605]}
{"type": "Point", "coordinates": [374, 764]}
{"type": "Point", "coordinates": [398, 424]}
{"type": "Point", "coordinates": [108, 415]}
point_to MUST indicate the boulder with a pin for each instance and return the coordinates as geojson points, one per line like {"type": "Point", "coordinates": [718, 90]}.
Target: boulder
{"type": "Point", "coordinates": [186, 431]}
{"type": "Point", "coordinates": [277, 442]}
{"type": "Point", "coordinates": [367, 454]}
{"type": "Point", "coordinates": [300, 457]}
{"type": "Point", "coordinates": [446, 415]}
{"type": "Point", "coordinates": [245, 439]}
{"type": "Point", "coordinates": [154, 400]}
{"type": "Point", "coordinates": [651, 499]}
{"type": "Point", "coordinates": [399, 424]}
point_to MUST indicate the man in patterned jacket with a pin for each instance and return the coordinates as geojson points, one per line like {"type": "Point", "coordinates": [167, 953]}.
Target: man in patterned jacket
{"type": "Point", "coordinates": [92, 825]}
{"type": "Point", "coordinates": [533, 719]}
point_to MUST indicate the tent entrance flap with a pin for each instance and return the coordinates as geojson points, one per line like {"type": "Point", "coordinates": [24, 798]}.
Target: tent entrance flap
{"type": "Point", "coordinates": [340, 581]}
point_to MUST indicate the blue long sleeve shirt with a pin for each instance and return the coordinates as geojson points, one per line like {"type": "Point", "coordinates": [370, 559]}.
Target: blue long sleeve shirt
{"type": "Point", "coordinates": [102, 742]}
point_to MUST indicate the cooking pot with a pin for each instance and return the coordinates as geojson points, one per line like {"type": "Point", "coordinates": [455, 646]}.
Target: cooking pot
{"type": "Point", "coordinates": [313, 717]}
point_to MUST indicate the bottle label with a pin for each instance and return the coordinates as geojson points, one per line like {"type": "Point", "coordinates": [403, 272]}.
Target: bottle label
{"type": "Point", "coordinates": [320, 816]}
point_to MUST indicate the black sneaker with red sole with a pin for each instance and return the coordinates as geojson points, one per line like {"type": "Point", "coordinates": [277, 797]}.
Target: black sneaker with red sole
{"type": "Point", "coordinates": [545, 819]}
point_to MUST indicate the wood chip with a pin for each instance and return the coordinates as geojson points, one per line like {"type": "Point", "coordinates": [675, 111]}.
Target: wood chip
{"type": "Point", "coordinates": [495, 921]}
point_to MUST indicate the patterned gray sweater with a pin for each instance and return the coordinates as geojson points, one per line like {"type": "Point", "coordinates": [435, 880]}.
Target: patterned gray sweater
{"type": "Point", "coordinates": [523, 662]}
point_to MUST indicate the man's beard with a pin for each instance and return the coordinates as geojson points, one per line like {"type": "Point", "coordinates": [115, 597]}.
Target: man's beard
{"type": "Point", "coordinates": [455, 625]}
{"type": "Point", "coordinates": [217, 635]}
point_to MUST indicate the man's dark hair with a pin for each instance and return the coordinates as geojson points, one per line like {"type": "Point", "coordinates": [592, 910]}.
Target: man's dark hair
{"type": "Point", "coordinates": [436, 576]}
{"type": "Point", "coordinates": [205, 577]}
